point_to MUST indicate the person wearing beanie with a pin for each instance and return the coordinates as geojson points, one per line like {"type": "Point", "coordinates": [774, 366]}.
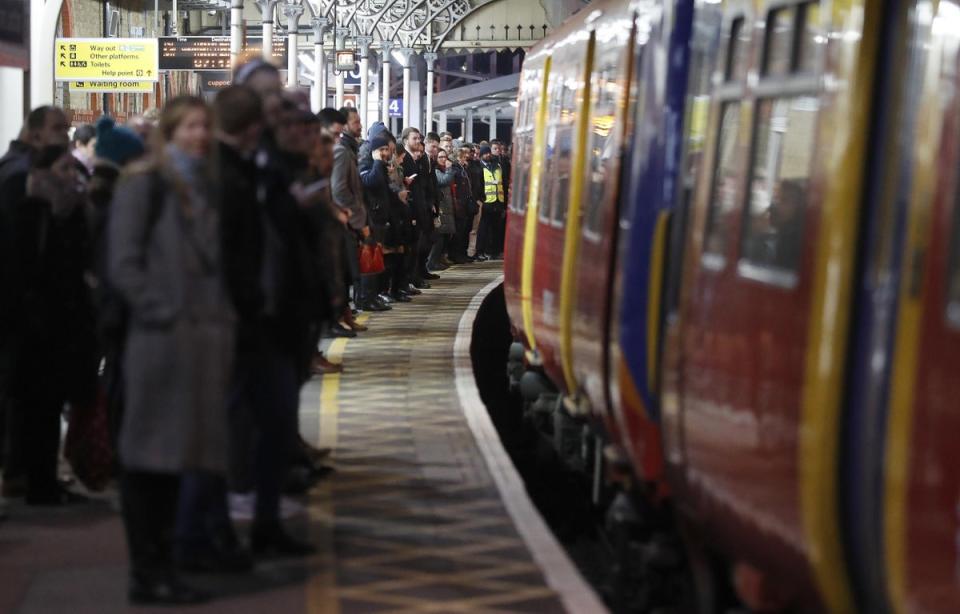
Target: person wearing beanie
{"type": "Point", "coordinates": [378, 142]}
{"type": "Point", "coordinates": [117, 144]}
{"type": "Point", "coordinates": [378, 128]}
{"type": "Point", "coordinates": [116, 147]}
{"type": "Point", "coordinates": [484, 150]}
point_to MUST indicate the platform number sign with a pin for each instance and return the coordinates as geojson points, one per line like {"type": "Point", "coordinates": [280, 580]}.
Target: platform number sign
{"type": "Point", "coordinates": [395, 108]}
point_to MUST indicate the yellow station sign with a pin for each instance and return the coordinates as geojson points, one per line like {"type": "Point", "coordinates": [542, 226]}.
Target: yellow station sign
{"type": "Point", "coordinates": [139, 87]}
{"type": "Point", "coordinates": [106, 59]}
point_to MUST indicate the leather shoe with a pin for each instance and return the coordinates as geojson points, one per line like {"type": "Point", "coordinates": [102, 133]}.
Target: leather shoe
{"type": "Point", "coordinates": [321, 366]}
{"type": "Point", "coordinates": [338, 330]}
{"type": "Point", "coordinates": [167, 590]}
{"type": "Point", "coordinates": [411, 290]}
{"type": "Point", "coordinates": [376, 305]}
{"type": "Point", "coordinates": [422, 285]}
{"type": "Point", "coordinates": [401, 298]}
{"type": "Point", "coordinates": [273, 539]}
{"type": "Point", "coordinates": [431, 276]}
{"type": "Point", "coordinates": [357, 327]}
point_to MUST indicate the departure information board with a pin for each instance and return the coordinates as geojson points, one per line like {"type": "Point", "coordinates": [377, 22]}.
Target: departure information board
{"type": "Point", "coordinates": [211, 52]}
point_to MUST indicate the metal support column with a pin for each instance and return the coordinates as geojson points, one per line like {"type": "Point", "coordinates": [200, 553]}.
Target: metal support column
{"type": "Point", "coordinates": [493, 124]}
{"type": "Point", "coordinates": [430, 58]}
{"type": "Point", "coordinates": [442, 122]}
{"type": "Point", "coordinates": [266, 16]}
{"type": "Point", "coordinates": [292, 10]}
{"type": "Point", "coordinates": [318, 94]}
{"type": "Point", "coordinates": [468, 125]}
{"type": "Point", "coordinates": [363, 44]}
{"type": "Point", "coordinates": [385, 48]}
{"type": "Point", "coordinates": [236, 31]}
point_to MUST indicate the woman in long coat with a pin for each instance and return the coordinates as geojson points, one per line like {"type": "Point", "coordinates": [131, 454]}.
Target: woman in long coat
{"type": "Point", "coordinates": [164, 259]}
{"type": "Point", "coordinates": [446, 225]}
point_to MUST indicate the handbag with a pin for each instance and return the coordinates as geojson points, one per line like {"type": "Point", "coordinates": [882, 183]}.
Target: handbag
{"type": "Point", "coordinates": [87, 447]}
{"type": "Point", "coordinates": [371, 260]}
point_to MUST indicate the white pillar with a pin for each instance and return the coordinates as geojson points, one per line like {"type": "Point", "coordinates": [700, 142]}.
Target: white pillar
{"type": "Point", "coordinates": [292, 10]}
{"type": "Point", "coordinates": [468, 125]}
{"type": "Point", "coordinates": [175, 19]}
{"type": "Point", "coordinates": [407, 61]}
{"type": "Point", "coordinates": [44, 17]}
{"type": "Point", "coordinates": [338, 100]}
{"type": "Point", "coordinates": [385, 48]}
{"type": "Point", "coordinates": [442, 122]}
{"type": "Point", "coordinates": [318, 93]}
{"type": "Point", "coordinates": [341, 36]}
{"type": "Point", "coordinates": [11, 120]}
{"type": "Point", "coordinates": [236, 31]}
{"type": "Point", "coordinates": [363, 44]}
{"type": "Point", "coordinates": [266, 15]}
{"type": "Point", "coordinates": [493, 124]}
{"type": "Point", "coordinates": [429, 57]}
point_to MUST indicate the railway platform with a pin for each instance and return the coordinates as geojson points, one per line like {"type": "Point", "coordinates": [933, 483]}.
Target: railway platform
{"type": "Point", "coordinates": [424, 512]}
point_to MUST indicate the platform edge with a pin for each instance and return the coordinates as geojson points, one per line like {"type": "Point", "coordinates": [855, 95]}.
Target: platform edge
{"type": "Point", "coordinates": [558, 570]}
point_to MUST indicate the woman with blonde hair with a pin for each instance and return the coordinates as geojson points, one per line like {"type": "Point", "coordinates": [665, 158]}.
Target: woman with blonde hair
{"type": "Point", "coordinates": [164, 259]}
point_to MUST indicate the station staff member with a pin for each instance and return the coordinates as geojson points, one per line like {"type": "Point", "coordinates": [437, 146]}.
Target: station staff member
{"type": "Point", "coordinates": [493, 218]}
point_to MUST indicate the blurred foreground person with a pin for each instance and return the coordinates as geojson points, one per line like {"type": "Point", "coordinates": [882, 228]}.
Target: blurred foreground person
{"type": "Point", "coordinates": [164, 259]}
{"type": "Point", "coordinates": [19, 252]}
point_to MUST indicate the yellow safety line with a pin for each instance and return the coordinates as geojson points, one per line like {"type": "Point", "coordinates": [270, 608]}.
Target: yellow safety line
{"type": "Point", "coordinates": [571, 245]}
{"type": "Point", "coordinates": [533, 201]}
{"type": "Point", "coordinates": [322, 597]}
{"type": "Point", "coordinates": [832, 283]}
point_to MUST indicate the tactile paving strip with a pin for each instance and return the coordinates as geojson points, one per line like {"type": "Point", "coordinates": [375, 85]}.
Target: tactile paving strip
{"type": "Point", "coordinates": [412, 518]}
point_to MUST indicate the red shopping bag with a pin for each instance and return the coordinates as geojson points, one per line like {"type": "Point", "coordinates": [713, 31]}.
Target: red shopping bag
{"type": "Point", "coordinates": [371, 259]}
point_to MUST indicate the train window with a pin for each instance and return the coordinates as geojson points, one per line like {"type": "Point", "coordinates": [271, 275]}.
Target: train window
{"type": "Point", "coordinates": [779, 41]}
{"type": "Point", "coordinates": [783, 148]}
{"type": "Point", "coordinates": [724, 189]}
{"type": "Point", "coordinates": [521, 180]}
{"type": "Point", "coordinates": [599, 150]}
{"type": "Point", "coordinates": [953, 281]}
{"type": "Point", "coordinates": [811, 42]}
{"type": "Point", "coordinates": [550, 143]}
{"type": "Point", "coordinates": [564, 148]}
{"type": "Point", "coordinates": [738, 49]}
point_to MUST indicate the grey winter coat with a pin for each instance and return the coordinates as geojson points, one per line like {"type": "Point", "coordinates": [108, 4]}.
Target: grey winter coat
{"type": "Point", "coordinates": [345, 181]}
{"type": "Point", "coordinates": [448, 223]}
{"type": "Point", "coordinates": [179, 348]}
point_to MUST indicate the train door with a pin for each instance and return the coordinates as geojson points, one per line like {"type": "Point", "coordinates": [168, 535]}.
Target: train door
{"type": "Point", "coordinates": [527, 167]}
{"type": "Point", "coordinates": [767, 283]}
{"type": "Point", "coordinates": [567, 65]}
{"type": "Point", "coordinates": [922, 468]}
{"type": "Point", "coordinates": [590, 241]}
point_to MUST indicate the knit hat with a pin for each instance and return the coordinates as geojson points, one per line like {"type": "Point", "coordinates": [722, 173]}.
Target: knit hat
{"type": "Point", "coordinates": [378, 141]}
{"type": "Point", "coordinates": [117, 143]}
{"type": "Point", "coordinates": [376, 129]}
{"type": "Point", "coordinates": [484, 150]}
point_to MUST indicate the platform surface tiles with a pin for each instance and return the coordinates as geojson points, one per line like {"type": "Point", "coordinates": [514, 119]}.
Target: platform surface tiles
{"type": "Point", "coordinates": [421, 515]}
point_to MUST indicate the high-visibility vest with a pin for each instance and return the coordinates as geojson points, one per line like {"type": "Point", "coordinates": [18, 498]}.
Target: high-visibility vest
{"type": "Point", "coordinates": [492, 185]}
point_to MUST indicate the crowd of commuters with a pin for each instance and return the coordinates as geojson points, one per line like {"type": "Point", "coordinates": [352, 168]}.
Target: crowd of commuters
{"type": "Point", "coordinates": [167, 285]}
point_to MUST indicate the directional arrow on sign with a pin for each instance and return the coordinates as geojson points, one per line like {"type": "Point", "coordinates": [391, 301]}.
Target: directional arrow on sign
{"type": "Point", "coordinates": [63, 63]}
{"type": "Point", "coordinates": [63, 56]}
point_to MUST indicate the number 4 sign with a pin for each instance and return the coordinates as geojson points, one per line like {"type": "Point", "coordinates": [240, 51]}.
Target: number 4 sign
{"type": "Point", "coordinates": [395, 108]}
